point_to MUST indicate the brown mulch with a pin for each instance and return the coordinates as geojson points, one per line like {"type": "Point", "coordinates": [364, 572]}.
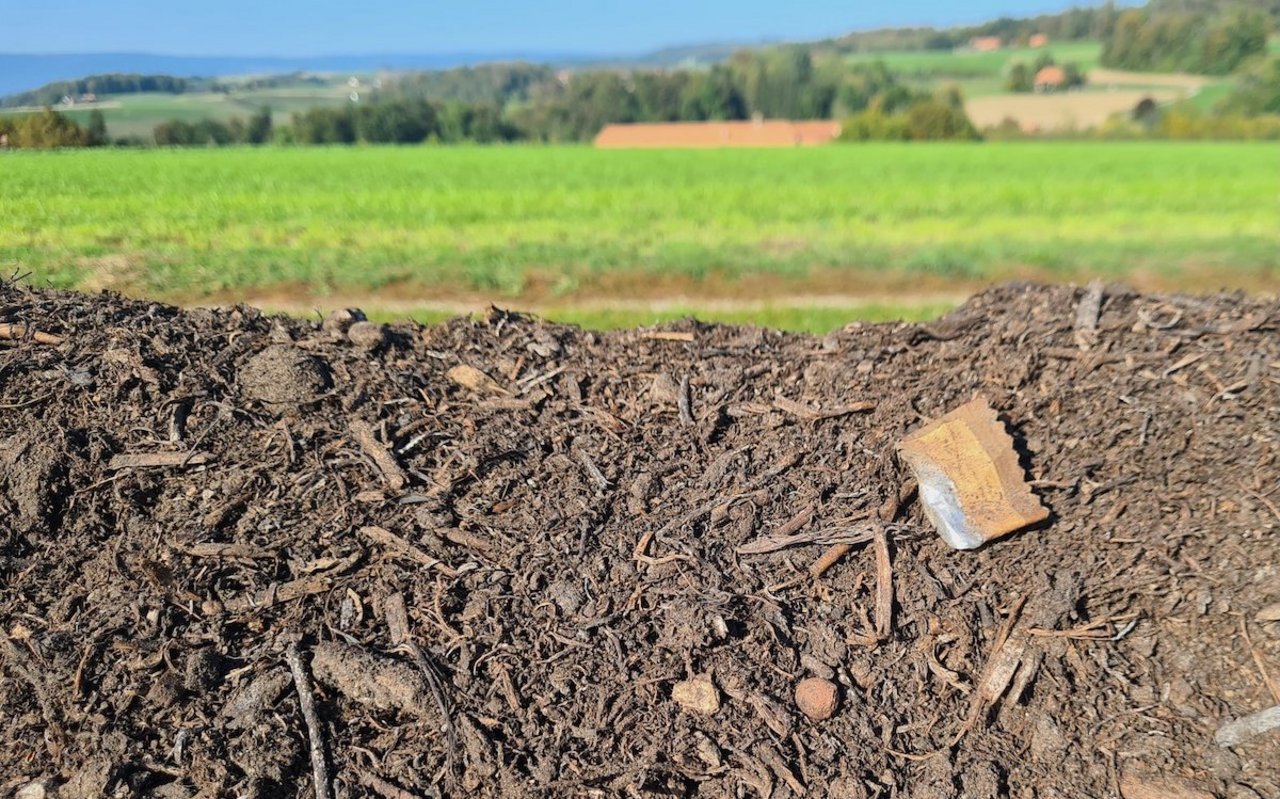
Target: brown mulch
{"type": "Point", "coordinates": [509, 558]}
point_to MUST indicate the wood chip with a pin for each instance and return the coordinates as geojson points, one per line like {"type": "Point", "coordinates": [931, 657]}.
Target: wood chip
{"type": "Point", "coordinates": [143, 460]}
{"type": "Point", "coordinates": [814, 414]}
{"type": "Point", "coordinates": [1269, 613]}
{"type": "Point", "coordinates": [278, 594]}
{"type": "Point", "coordinates": [884, 583]}
{"type": "Point", "coordinates": [22, 332]}
{"type": "Point", "coordinates": [1088, 310]}
{"type": "Point", "coordinates": [476, 380]}
{"type": "Point", "coordinates": [1159, 788]}
{"type": "Point", "coordinates": [392, 474]}
{"type": "Point", "coordinates": [1243, 729]}
{"type": "Point", "coordinates": [667, 335]}
{"type": "Point", "coordinates": [214, 549]}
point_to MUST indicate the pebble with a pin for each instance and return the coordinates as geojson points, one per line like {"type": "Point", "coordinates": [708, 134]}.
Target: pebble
{"type": "Point", "coordinates": [817, 698]}
{"type": "Point", "coordinates": [698, 695]}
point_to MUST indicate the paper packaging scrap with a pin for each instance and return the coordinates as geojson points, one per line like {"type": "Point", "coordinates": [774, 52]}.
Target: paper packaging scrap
{"type": "Point", "coordinates": [971, 485]}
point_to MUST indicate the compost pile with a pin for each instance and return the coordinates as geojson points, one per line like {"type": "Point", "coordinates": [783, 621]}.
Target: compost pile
{"type": "Point", "coordinates": [501, 557]}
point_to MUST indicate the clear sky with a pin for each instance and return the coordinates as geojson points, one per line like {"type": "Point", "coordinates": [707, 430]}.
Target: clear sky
{"type": "Point", "coordinates": [327, 27]}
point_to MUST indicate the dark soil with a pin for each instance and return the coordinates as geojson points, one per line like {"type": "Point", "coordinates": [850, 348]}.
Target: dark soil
{"type": "Point", "coordinates": [555, 561]}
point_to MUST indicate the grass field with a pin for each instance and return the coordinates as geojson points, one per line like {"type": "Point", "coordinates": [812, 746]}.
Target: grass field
{"type": "Point", "coordinates": [138, 114]}
{"type": "Point", "coordinates": [962, 64]}
{"type": "Point", "coordinates": [553, 227]}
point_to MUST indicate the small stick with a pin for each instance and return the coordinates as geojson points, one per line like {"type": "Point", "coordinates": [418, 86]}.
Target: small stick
{"type": "Point", "coordinates": [829, 558]}
{"type": "Point", "coordinates": [20, 332]}
{"type": "Point", "coordinates": [1257, 661]}
{"type": "Point", "coordinates": [384, 788]}
{"type": "Point", "coordinates": [403, 548]}
{"type": "Point", "coordinates": [397, 618]}
{"type": "Point", "coordinates": [887, 512]}
{"type": "Point", "coordinates": [382, 458]}
{"type": "Point", "coordinates": [884, 583]}
{"type": "Point", "coordinates": [307, 699]}
{"type": "Point", "coordinates": [685, 402]}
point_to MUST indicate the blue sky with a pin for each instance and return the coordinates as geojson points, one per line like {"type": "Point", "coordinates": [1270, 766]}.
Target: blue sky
{"type": "Point", "coordinates": [318, 27]}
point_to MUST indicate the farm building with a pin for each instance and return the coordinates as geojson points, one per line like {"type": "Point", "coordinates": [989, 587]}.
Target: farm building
{"type": "Point", "coordinates": [985, 44]}
{"type": "Point", "coordinates": [1051, 78]}
{"type": "Point", "coordinates": [755, 133]}
{"type": "Point", "coordinates": [1038, 40]}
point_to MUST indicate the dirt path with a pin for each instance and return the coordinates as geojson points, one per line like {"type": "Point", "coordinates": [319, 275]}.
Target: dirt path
{"type": "Point", "coordinates": [401, 305]}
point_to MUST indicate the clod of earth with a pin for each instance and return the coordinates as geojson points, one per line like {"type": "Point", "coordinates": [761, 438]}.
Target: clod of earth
{"type": "Point", "coordinates": [817, 698]}
{"type": "Point", "coordinates": [284, 375]}
{"type": "Point", "coordinates": [367, 335]}
{"type": "Point", "coordinates": [502, 589]}
{"type": "Point", "coordinates": [375, 680]}
{"type": "Point", "coordinates": [969, 478]}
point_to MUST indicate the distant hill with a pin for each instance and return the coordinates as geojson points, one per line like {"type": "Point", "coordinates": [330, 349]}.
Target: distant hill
{"type": "Point", "coordinates": [19, 72]}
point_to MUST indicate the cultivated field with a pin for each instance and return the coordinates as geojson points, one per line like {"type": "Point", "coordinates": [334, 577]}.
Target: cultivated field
{"type": "Point", "coordinates": [439, 229]}
{"type": "Point", "coordinates": [1061, 111]}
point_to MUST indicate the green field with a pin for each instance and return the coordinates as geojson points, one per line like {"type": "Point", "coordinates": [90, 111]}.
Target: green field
{"type": "Point", "coordinates": [138, 114]}
{"type": "Point", "coordinates": [977, 74]}
{"type": "Point", "coordinates": [964, 64]}
{"type": "Point", "coordinates": [556, 226]}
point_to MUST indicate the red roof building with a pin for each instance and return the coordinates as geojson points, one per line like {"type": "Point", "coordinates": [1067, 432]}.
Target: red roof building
{"type": "Point", "coordinates": [1050, 79]}
{"type": "Point", "coordinates": [763, 133]}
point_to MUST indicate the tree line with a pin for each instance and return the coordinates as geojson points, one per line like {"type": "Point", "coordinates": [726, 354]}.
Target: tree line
{"type": "Point", "coordinates": [1143, 40]}
{"type": "Point", "coordinates": [52, 93]}
{"type": "Point", "coordinates": [49, 130]}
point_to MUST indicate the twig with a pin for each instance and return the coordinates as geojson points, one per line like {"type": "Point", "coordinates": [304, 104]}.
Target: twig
{"type": "Point", "coordinates": [829, 558]}
{"type": "Point", "coordinates": [392, 474]}
{"type": "Point", "coordinates": [593, 471]}
{"type": "Point", "coordinates": [307, 699]}
{"type": "Point", "coordinates": [887, 512]}
{"type": "Point", "coordinates": [782, 536]}
{"type": "Point", "coordinates": [403, 548]}
{"type": "Point", "coordinates": [1257, 660]}
{"type": "Point", "coordinates": [277, 594]}
{"type": "Point", "coordinates": [813, 414]}
{"type": "Point", "coordinates": [401, 638]}
{"type": "Point", "coordinates": [838, 536]}
{"type": "Point", "coordinates": [22, 332]}
{"type": "Point", "coordinates": [1006, 655]}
